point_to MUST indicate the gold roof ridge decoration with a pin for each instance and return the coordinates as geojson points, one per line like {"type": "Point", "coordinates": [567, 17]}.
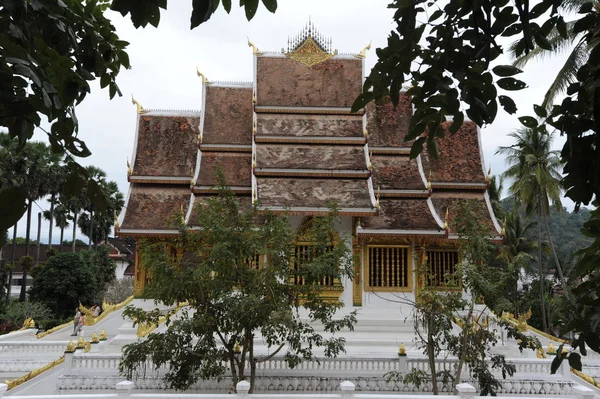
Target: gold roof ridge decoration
{"type": "Point", "coordinates": [309, 47]}
{"type": "Point", "coordinates": [201, 75]}
{"type": "Point", "coordinates": [140, 109]}
{"type": "Point", "coordinates": [363, 52]}
{"type": "Point", "coordinates": [254, 48]}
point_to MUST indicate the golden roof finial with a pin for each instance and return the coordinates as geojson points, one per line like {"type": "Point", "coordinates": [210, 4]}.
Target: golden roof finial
{"type": "Point", "coordinates": [254, 48]}
{"type": "Point", "coordinates": [254, 99]}
{"type": "Point", "coordinates": [199, 138]}
{"type": "Point", "coordinates": [446, 219]}
{"type": "Point", "coordinates": [70, 347]}
{"type": "Point", "coordinates": [363, 52]}
{"type": "Point", "coordinates": [488, 178]}
{"type": "Point", "coordinates": [370, 161]}
{"type": "Point", "coordinates": [182, 215]}
{"type": "Point", "coordinates": [140, 109]}
{"type": "Point", "coordinates": [128, 167]}
{"type": "Point", "coordinates": [103, 335]}
{"type": "Point", "coordinates": [366, 133]}
{"type": "Point", "coordinates": [503, 232]}
{"type": "Point", "coordinates": [402, 350]}
{"type": "Point", "coordinates": [200, 74]}
{"type": "Point", "coordinates": [377, 197]}
{"type": "Point", "coordinates": [192, 179]}
{"type": "Point", "coordinates": [95, 338]}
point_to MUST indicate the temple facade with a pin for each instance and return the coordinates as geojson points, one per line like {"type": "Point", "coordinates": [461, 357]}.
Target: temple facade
{"type": "Point", "coordinates": [289, 142]}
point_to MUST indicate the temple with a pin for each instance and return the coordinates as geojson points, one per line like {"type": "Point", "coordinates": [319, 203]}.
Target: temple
{"type": "Point", "coordinates": [289, 142]}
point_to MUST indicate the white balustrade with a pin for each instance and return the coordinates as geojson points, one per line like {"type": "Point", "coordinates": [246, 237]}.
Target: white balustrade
{"type": "Point", "coordinates": [9, 348]}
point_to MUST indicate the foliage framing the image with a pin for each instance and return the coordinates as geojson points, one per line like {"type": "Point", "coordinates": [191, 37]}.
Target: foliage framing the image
{"type": "Point", "coordinates": [234, 298]}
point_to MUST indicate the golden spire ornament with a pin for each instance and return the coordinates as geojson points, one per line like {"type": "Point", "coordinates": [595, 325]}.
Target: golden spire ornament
{"type": "Point", "coordinates": [128, 167]}
{"type": "Point", "coordinates": [254, 48]}
{"type": "Point", "coordinates": [446, 219]}
{"type": "Point", "coordinates": [402, 350]}
{"type": "Point", "coordinates": [70, 347]}
{"type": "Point", "coordinates": [140, 109]}
{"type": "Point", "coordinates": [488, 178]}
{"type": "Point", "coordinates": [103, 336]}
{"type": "Point", "coordinates": [363, 52]}
{"type": "Point", "coordinates": [377, 198]}
{"type": "Point", "coordinates": [429, 182]}
{"type": "Point", "coordinates": [95, 338]}
{"type": "Point", "coordinates": [503, 232]}
{"type": "Point", "coordinates": [200, 74]}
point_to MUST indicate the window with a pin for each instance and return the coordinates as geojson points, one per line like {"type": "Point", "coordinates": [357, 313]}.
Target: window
{"type": "Point", "coordinates": [304, 253]}
{"type": "Point", "coordinates": [441, 266]}
{"type": "Point", "coordinates": [388, 268]}
{"type": "Point", "coordinates": [257, 262]}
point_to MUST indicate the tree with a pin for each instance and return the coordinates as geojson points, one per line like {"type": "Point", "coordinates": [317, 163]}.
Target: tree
{"type": "Point", "coordinates": [240, 278]}
{"type": "Point", "coordinates": [495, 192]}
{"type": "Point", "coordinates": [51, 50]}
{"type": "Point", "coordinates": [516, 240]}
{"type": "Point", "coordinates": [32, 171]}
{"type": "Point", "coordinates": [63, 283]}
{"type": "Point", "coordinates": [102, 266]}
{"type": "Point", "coordinates": [534, 169]}
{"type": "Point", "coordinates": [436, 312]}
{"type": "Point", "coordinates": [560, 43]}
{"type": "Point", "coordinates": [96, 224]}
{"type": "Point", "coordinates": [60, 214]}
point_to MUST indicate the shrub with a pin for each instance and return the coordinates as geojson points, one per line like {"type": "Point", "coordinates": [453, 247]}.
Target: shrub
{"type": "Point", "coordinates": [17, 312]}
{"type": "Point", "coordinates": [48, 324]}
{"type": "Point", "coordinates": [5, 328]}
{"type": "Point", "coordinates": [119, 290]}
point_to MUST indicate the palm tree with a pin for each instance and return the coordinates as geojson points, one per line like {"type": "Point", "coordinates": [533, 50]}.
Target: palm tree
{"type": "Point", "coordinates": [579, 53]}
{"type": "Point", "coordinates": [60, 213]}
{"type": "Point", "coordinates": [534, 169]}
{"type": "Point", "coordinates": [495, 192]}
{"type": "Point", "coordinates": [516, 240]}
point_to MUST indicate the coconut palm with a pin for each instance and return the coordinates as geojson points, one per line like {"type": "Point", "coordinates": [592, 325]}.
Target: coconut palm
{"type": "Point", "coordinates": [534, 169]}
{"type": "Point", "coordinates": [516, 240]}
{"type": "Point", "coordinates": [579, 52]}
{"type": "Point", "coordinates": [495, 193]}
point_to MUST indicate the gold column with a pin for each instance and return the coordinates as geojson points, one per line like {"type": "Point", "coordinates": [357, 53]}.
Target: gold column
{"type": "Point", "coordinates": [140, 273]}
{"type": "Point", "coordinates": [357, 293]}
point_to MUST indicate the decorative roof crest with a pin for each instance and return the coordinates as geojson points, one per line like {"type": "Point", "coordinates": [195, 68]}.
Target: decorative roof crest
{"type": "Point", "coordinates": [201, 75]}
{"type": "Point", "coordinates": [309, 47]}
{"type": "Point", "coordinates": [140, 109]}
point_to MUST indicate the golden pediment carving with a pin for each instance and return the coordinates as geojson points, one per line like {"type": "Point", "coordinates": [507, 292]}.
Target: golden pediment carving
{"type": "Point", "coordinates": [309, 53]}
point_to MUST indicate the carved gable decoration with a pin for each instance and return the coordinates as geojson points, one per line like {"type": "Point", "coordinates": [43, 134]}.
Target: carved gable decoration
{"type": "Point", "coordinates": [309, 47]}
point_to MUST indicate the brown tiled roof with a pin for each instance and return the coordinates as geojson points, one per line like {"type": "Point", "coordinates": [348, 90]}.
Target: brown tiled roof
{"type": "Point", "coordinates": [393, 172]}
{"type": "Point", "coordinates": [281, 192]}
{"type": "Point", "coordinates": [154, 207]}
{"type": "Point", "coordinates": [402, 214]}
{"type": "Point", "coordinates": [447, 200]}
{"type": "Point", "coordinates": [309, 125]}
{"type": "Point", "coordinates": [235, 166]}
{"type": "Point", "coordinates": [20, 252]}
{"type": "Point", "coordinates": [387, 125]}
{"type": "Point", "coordinates": [227, 115]}
{"type": "Point", "coordinates": [459, 158]}
{"type": "Point", "coordinates": [130, 271]}
{"type": "Point", "coordinates": [285, 82]}
{"type": "Point", "coordinates": [310, 157]}
{"type": "Point", "coordinates": [166, 145]}
{"type": "Point", "coordinates": [200, 200]}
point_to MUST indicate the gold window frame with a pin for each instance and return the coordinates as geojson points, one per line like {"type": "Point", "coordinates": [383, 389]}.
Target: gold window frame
{"type": "Point", "coordinates": [441, 287]}
{"type": "Point", "coordinates": [409, 270]}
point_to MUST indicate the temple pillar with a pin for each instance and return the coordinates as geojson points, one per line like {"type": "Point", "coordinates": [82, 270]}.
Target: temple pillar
{"type": "Point", "coordinates": [140, 273]}
{"type": "Point", "coordinates": [357, 292]}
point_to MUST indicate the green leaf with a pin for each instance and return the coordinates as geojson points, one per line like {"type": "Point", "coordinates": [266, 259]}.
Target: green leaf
{"type": "Point", "coordinates": [556, 362]}
{"type": "Point", "coordinates": [271, 5]}
{"type": "Point", "coordinates": [227, 5]}
{"type": "Point", "coordinates": [12, 206]}
{"type": "Point", "coordinates": [508, 104]}
{"type": "Point", "coordinates": [202, 10]}
{"type": "Point", "coordinates": [506, 70]}
{"type": "Point", "coordinates": [436, 14]}
{"type": "Point", "coordinates": [417, 147]}
{"type": "Point", "coordinates": [528, 121]}
{"type": "Point", "coordinates": [540, 111]}
{"type": "Point", "coordinates": [251, 6]}
{"type": "Point", "coordinates": [511, 84]}
{"type": "Point", "coordinates": [457, 122]}
{"type": "Point", "coordinates": [575, 361]}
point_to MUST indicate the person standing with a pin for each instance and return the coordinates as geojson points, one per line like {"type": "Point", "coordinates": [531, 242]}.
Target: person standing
{"type": "Point", "coordinates": [76, 321]}
{"type": "Point", "coordinates": [80, 324]}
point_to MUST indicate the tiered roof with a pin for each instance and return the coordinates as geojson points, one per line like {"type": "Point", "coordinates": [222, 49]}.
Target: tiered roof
{"type": "Point", "coordinates": [289, 142]}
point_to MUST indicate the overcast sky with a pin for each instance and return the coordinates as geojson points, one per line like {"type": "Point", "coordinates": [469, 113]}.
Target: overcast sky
{"type": "Point", "coordinates": [164, 60]}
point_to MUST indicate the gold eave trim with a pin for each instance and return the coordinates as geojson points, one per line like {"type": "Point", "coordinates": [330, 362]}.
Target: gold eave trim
{"type": "Point", "coordinates": [310, 140]}
{"type": "Point", "coordinates": [461, 186]}
{"type": "Point", "coordinates": [389, 150]}
{"type": "Point", "coordinates": [274, 109]}
{"type": "Point", "coordinates": [145, 233]}
{"type": "Point", "coordinates": [225, 147]}
{"type": "Point", "coordinates": [214, 190]}
{"type": "Point", "coordinates": [405, 193]}
{"type": "Point", "coordinates": [356, 174]}
{"type": "Point", "coordinates": [318, 210]}
{"type": "Point", "coordinates": [160, 179]}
